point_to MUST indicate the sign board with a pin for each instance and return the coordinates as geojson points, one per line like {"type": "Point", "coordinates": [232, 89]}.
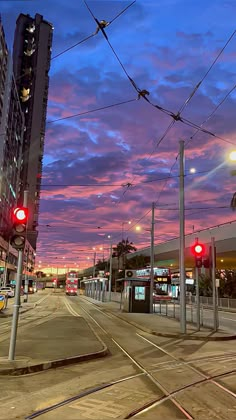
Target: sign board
{"type": "Point", "coordinates": [217, 282]}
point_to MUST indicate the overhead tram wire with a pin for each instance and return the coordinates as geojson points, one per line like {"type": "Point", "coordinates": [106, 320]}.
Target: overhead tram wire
{"type": "Point", "coordinates": [92, 110]}
{"type": "Point", "coordinates": [198, 129]}
{"type": "Point", "coordinates": [92, 35]}
{"type": "Point", "coordinates": [121, 185]}
{"type": "Point", "coordinates": [176, 117]}
{"type": "Point", "coordinates": [72, 46]}
{"type": "Point", "coordinates": [81, 41]}
{"type": "Point", "coordinates": [207, 72]}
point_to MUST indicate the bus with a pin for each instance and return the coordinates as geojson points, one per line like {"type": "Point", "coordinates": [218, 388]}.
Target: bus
{"type": "Point", "coordinates": [72, 283]}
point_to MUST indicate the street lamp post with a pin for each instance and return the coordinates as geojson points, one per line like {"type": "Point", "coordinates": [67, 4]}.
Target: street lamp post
{"type": "Point", "coordinates": [94, 262]}
{"type": "Point", "coordinates": [182, 240]}
{"type": "Point", "coordinates": [152, 261]}
{"type": "Point", "coordinates": [110, 271]}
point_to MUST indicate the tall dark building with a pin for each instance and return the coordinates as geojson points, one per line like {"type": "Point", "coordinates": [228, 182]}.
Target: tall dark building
{"type": "Point", "coordinates": [31, 64]}
{"type": "Point", "coordinates": [11, 136]}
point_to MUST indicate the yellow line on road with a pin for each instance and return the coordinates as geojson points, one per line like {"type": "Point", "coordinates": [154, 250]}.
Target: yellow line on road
{"type": "Point", "coordinates": [69, 308]}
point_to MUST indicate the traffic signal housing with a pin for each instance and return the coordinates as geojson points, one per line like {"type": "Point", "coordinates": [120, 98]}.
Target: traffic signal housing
{"type": "Point", "coordinates": [20, 219]}
{"type": "Point", "coordinates": [198, 251]}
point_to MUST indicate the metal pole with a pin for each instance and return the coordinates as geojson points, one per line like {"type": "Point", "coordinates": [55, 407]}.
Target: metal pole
{"type": "Point", "coordinates": [182, 240]}
{"type": "Point", "coordinates": [110, 274]}
{"type": "Point", "coordinates": [15, 317]}
{"type": "Point", "coordinates": [5, 265]}
{"type": "Point", "coordinates": [94, 262]}
{"type": "Point", "coordinates": [26, 288]}
{"type": "Point", "coordinates": [213, 276]}
{"type": "Point", "coordinates": [197, 298]}
{"type": "Point", "coordinates": [152, 261]}
{"type": "Point", "coordinates": [197, 293]}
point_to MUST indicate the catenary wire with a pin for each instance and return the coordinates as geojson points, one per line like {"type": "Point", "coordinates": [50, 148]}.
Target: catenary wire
{"type": "Point", "coordinates": [92, 110]}
{"type": "Point", "coordinates": [177, 116]}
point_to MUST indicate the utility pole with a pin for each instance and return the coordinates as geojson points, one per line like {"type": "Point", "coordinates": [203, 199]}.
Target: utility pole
{"type": "Point", "coordinates": [94, 262]}
{"type": "Point", "coordinates": [152, 261]}
{"type": "Point", "coordinates": [214, 292]}
{"type": "Point", "coordinates": [182, 240]}
{"type": "Point", "coordinates": [15, 317]}
{"type": "Point", "coordinates": [110, 274]}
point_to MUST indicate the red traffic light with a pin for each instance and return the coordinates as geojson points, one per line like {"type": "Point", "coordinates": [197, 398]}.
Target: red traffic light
{"type": "Point", "coordinates": [198, 250]}
{"type": "Point", "coordinates": [20, 215]}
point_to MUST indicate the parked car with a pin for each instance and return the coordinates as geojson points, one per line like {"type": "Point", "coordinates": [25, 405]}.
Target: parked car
{"type": "Point", "coordinates": [7, 291]}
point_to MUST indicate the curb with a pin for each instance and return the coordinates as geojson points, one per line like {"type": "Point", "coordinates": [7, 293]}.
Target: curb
{"type": "Point", "coordinates": [25, 370]}
{"type": "Point", "coordinates": [21, 312]}
{"type": "Point", "coordinates": [178, 335]}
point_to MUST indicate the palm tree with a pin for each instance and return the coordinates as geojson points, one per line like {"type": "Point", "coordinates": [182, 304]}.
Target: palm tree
{"type": "Point", "coordinates": [122, 249]}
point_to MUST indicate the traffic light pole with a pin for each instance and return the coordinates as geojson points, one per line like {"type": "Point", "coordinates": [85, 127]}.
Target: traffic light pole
{"type": "Point", "coordinates": [197, 298]}
{"type": "Point", "coordinates": [16, 305]}
{"type": "Point", "coordinates": [182, 240]}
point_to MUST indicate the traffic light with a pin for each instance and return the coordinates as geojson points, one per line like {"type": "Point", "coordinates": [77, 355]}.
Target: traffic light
{"type": "Point", "coordinates": [20, 219]}
{"type": "Point", "coordinates": [198, 251]}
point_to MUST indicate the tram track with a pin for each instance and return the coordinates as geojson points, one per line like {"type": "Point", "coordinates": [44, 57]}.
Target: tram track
{"type": "Point", "coordinates": [166, 396]}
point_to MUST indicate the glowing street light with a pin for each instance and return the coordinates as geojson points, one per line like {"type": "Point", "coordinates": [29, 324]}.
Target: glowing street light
{"type": "Point", "coordinates": [232, 155]}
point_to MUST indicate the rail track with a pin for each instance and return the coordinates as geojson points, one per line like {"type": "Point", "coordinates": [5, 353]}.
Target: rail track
{"type": "Point", "coordinates": [165, 394]}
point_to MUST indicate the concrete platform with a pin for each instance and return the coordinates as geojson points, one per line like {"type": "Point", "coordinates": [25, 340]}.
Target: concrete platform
{"type": "Point", "coordinates": [60, 341]}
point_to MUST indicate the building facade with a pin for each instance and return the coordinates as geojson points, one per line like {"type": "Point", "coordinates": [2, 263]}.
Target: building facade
{"type": "Point", "coordinates": [11, 136]}
{"type": "Point", "coordinates": [31, 64]}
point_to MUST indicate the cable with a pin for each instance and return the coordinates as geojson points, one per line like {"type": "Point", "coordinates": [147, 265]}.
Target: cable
{"type": "Point", "coordinates": [208, 71]}
{"type": "Point", "coordinates": [73, 46]}
{"type": "Point", "coordinates": [121, 185]}
{"type": "Point", "coordinates": [92, 110]}
{"type": "Point", "coordinates": [176, 117]}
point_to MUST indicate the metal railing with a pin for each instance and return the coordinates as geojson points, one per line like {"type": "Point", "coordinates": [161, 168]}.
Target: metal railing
{"type": "Point", "coordinates": [223, 303]}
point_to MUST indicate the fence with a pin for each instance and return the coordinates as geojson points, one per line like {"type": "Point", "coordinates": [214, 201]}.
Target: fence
{"type": "Point", "coordinates": [224, 303]}
{"type": "Point", "coordinates": [172, 310]}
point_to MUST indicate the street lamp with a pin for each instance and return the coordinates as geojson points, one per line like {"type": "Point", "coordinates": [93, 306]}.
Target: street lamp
{"type": "Point", "coordinates": [123, 223]}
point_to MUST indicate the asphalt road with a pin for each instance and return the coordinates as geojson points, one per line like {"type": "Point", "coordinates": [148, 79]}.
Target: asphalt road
{"type": "Point", "coordinates": [227, 320]}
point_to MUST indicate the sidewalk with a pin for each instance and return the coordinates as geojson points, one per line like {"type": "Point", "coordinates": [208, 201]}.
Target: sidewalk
{"type": "Point", "coordinates": [49, 343]}
{"type": "Point", "coordinates": [161, 325]}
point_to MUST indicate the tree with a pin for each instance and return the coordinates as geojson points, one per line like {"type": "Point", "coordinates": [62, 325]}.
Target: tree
{"type": "Point", "coordinates": [138, 261]}
{"type": "Point", "coordinates": [101, 265]}
{"type": "Point", "coordinates": [122, 249]}
{"type": "Point", "coordinates": [227, 286]}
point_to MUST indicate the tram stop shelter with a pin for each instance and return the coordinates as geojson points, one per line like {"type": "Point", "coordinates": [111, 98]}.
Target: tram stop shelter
{"type": "Point", "coordinates": [135, 294]}
{"type": "Point", "coordinates": [95, 288]}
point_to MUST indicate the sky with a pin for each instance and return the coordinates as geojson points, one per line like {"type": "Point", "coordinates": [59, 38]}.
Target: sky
{"type": "Point", "coordinates": [105, 167]}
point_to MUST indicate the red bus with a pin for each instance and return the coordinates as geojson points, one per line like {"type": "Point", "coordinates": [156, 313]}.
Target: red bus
{"type": "Point", "coordinates": [72, 284]}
